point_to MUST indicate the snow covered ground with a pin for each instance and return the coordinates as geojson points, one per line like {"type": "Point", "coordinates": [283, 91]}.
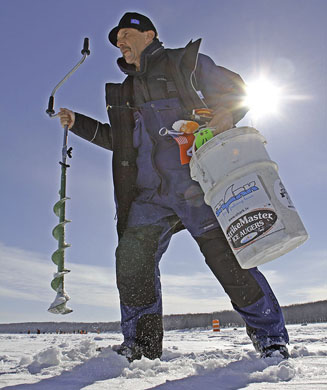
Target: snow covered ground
{"type": "Point", "coordinates": [193, 359]}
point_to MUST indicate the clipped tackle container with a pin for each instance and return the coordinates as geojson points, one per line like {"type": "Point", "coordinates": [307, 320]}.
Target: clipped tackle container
{"type": "Point", "coordinates": [252, 206]}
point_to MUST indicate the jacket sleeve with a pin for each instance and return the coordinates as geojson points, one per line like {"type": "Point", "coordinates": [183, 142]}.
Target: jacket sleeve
{"type": "Point", "coordinates": [220, 87]}
{"type": "Point", "coordinates": [93, 131]}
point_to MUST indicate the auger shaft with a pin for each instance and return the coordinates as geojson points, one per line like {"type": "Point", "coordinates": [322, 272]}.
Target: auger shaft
{"type": "Point", "coordinates": [58, 257]}
{"type": "Point", "coordinates": [62, 203]}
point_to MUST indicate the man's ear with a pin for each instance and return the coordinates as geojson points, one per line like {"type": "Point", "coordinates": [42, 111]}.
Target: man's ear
{"type": "Point", "coordinates": [149, 36]}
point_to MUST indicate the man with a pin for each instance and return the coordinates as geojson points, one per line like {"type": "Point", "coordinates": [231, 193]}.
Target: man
{"type": "Point", "coordinates": [155, 196]}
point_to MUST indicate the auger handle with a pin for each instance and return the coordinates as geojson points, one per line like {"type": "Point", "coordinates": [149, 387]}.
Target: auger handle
{"type": "Point", "coordinates": [86, 52]}
{"type": "Point", "coordinates": [86, 49]}
{"type": "Point", "coordinates": [50, 111]}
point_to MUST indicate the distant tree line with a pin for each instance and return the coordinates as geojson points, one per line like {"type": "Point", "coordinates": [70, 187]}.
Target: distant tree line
{"type": "Point", "coordinates": [306, 312]}
{"type": "Point", "coordinates": [313, 312]}
{"type": "Point", "coordinates": [227, 318]}
{"type": "Point", "coordinates": [60, 327]}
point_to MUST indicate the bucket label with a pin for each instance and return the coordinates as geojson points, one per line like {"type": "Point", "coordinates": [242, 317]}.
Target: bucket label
{"type": "Point", "coordinates": [245, 213]}
{"type": "Point", "coordinates": [282, 195]}
{"type": "Point", "coordinates": [250, 226]}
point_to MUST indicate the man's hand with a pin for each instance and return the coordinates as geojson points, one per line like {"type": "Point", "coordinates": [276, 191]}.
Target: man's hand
{"type": "Point", "coordinates": [67, 117]}
{"type": "Point", "coordinates": [222, 120]}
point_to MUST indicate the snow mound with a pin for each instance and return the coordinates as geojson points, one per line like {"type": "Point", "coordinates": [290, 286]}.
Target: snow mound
{"type": "Point", "coordinates": [299, 350]}
{"type": "Point", "coordinates": [47, 358]}
{"type": "Point", "coordinates": [59, 355]}
{"type": "Point", "coordinates": [4, 358]}
{"type": "Point", "coordinates": [283, 372]}
{"type": "Point", "coordinates": [83, 351]}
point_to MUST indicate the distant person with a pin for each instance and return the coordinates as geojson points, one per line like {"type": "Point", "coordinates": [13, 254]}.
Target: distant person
{"type": "Point", "coordinates": [154, 193]}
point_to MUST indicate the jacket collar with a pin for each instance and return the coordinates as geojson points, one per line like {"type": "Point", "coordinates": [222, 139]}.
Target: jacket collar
{"type": "Point", "coordinates": [150, 51]}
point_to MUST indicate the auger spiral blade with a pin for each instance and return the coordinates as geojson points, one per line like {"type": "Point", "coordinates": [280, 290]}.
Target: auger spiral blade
{"type": "Point", "coordinates": [58, 306]}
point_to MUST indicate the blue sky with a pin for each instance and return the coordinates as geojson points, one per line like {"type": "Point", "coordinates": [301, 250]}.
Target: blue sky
{"type": "Point", "coordinates": [41, 41]}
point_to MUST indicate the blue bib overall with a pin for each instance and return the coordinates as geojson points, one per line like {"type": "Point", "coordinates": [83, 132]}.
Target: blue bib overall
{"type": "Point", "coordinates": [167, 196]}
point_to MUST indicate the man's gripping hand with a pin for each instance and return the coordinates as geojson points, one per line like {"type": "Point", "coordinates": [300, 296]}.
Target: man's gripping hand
{"type": "Point", "coordinates": [222, 120]}
{"type": "Point", "coordinates": [67, 117]}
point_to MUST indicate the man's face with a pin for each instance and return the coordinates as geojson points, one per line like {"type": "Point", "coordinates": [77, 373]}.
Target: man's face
{"type": "Point", "coordinates": [132, 42]}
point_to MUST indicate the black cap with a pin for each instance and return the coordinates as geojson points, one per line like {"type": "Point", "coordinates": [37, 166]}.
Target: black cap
{"type": "Point", "coordinates": [131, 20]}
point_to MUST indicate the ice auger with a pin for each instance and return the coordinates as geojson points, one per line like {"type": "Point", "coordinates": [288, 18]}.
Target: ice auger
{"type": "Point", "coordinates": [58, 306]}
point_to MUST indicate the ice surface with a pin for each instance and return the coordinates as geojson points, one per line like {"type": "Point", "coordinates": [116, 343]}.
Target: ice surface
{"type": "Point", "coordinates": [192, 359]}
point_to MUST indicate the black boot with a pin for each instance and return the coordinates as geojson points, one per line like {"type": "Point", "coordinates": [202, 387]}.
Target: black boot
{"type": "Point", "coordinates": [130, 353]}
{"type": "Point", "coordinates": [275, 351]}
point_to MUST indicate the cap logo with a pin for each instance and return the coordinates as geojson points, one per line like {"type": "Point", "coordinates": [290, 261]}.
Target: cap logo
{"type": "Point", "coordinates": [135, 21]}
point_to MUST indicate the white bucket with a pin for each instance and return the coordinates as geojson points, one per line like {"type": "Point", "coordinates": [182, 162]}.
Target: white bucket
{"type": "Point", "coordinates": [252, 206]}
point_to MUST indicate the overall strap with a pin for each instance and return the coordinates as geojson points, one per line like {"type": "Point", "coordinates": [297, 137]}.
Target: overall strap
{"type": "Point", "coordinates": [182, 64]}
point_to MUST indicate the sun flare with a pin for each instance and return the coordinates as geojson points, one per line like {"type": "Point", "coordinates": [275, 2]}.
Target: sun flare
{"type": "Point", "coordinates": [262, 98]}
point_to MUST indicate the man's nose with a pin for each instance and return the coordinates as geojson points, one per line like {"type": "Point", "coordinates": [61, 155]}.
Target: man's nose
{"type": "Point", "coordinates": [120, 42]}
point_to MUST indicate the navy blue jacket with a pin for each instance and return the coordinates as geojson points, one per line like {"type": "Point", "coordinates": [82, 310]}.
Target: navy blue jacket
{"type": "Point", "coordinates": [190, 72]}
